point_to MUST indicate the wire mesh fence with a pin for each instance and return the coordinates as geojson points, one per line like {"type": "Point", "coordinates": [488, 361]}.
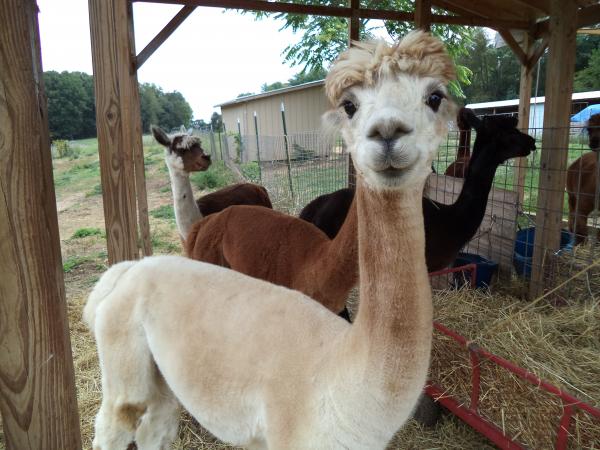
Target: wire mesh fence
{"type": "Point", "coordinates": [299, 167]}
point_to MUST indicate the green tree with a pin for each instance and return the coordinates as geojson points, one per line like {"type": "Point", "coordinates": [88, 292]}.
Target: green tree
{"type": "Point", "coordinates": [71, 109]}
{"type": "Point", "coordinates": [323, 38]}
{"type": "Point", "coordinates": [588, 78]}
{"type": "Point", "coordinates": [317, 73]}
{"type": "Point", "coordinates": [150, 105]}
{"type": "Point", "coordinates": [175, 110]}
{"type": "Point", "coordinates": [271, 87]}
{"type": "Point", "coordinates": [216, 120]}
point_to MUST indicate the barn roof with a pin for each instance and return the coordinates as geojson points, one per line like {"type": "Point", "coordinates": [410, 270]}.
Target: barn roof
{"type": "Point", "coordinates": [534, 100]}
{"type": "Point", "coordinates": [287, 89]}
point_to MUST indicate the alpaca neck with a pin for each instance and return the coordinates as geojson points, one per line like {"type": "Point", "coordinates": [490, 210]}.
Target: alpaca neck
{"type": "Point", "coordinates": [479, 179]}
{"type": "Point", "coordinates": [186, 209]}
{"type": "Point", "coordinates": [340, 261]}
{"type": "Point", "coordinates": [394, 322]}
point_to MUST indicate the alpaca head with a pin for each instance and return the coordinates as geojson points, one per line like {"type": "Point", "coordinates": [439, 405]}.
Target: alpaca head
{"type": "Point", "coordinates": [183, 152]}
{"type": "Point", "coordinates": [498, 138]}
{"type": "Point", "coordinates": [392, 107]}
{"type": "Point", "coordinates": [593, 129]}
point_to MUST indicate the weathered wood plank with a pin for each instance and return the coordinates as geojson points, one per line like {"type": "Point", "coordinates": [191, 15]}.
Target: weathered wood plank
{"type": "Point", "coordinates": [495, 237]}
{"type": "Point", "coordinates": [555, 138]}
{"type": "Point", "coordinates": [423, 14]}
{"type": "Point", "coordinates": [111, 57]}
{"type": "Point", "coordinates": [37, 383]}
{"type": "Point", "coordinates": [521, 164]}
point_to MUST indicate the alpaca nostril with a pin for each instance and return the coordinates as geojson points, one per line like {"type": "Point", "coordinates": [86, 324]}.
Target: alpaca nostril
{"type": "Point", "coordinates": [389, 132]}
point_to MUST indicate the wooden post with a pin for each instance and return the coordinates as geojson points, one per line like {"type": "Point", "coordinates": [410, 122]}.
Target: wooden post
{"type": "Point", "coordinates": [137, 145]}
{"type": "Point", "coordinates": [555, 137]}
{"type": "Point", "coordinates": [423, 14]}
{"type": "Point", "coordinates": [521, 164]}
{"type": "Point", "coordinates": [257, 147]}
{"type": "Point", "coordinates": [116, 92]}
{"type": "Point", "coordinates": [37, 381]}
{"type": "Point", "coordinates": [286, 144]}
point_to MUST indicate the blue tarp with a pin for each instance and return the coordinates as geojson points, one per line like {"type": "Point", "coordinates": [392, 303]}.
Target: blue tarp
{"type": "Point", "coordinates": [584, 114]}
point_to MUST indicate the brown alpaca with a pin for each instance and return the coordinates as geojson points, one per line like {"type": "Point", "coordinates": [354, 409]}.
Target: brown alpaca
{"type": "Point", "coordinates": [458, 168]}
{"type": "Point", "coordinates": [265, 367]}
{"type": "Point", "coordinates": [184, 154]}
{"type": "Point", "coordinates": [582, 179]}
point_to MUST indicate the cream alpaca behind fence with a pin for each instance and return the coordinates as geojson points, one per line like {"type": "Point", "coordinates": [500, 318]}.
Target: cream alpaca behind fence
{"type": "Point", "coordinates": [265, 367]}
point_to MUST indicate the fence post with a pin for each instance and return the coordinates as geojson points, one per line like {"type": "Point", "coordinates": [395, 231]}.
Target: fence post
{"type": "Point", "coordinates": [240, 141]}
{"type": "Point", "coordinates": [213, 146]}
{"type": "Point", "coordinates": [257, 147]}
{"type": "Point", "coordinates": [287, 151]}
{"type": "Point", "coordinates": [225, 143]}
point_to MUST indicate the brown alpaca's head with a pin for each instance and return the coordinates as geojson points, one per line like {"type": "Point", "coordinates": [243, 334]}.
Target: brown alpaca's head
{"type": "Point", "coordinates": [593, 129]}
{"type": "Point", "coordinates": [392, 107]}
{"type": "Point", "coordinates": [184, 150]}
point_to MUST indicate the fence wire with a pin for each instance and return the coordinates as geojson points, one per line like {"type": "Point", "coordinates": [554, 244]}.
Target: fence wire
{"type": "Point", "coordinates": [299, 167]}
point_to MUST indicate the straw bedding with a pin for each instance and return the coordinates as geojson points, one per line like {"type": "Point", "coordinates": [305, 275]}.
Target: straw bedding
{"type": "Point", "coordinates": [559, 344]}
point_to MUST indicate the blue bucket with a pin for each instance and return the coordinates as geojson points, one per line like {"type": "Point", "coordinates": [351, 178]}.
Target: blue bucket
{"type": "Point", "coordinates": [523, 253]}
{"type": "Point", "coordinates": [485, 270]}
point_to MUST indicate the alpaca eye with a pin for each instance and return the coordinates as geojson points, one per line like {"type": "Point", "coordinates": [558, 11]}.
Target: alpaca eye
{"type": "Point", "coordinates": [349, 107]}
{"type": "Point", "coordinates": [434, 100]}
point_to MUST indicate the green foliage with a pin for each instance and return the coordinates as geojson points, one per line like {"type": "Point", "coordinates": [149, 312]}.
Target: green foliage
{"type": "Point", "coordinates": [71, 109]}
{"type": "Point", "coordinates": [217, 176]}
{"type": "Point", "coordinates": [73, 262]}
{"type": "Point", "coordinates": [588, 78]}
{"type": "Point", "coordinates": [168, 109]}
{"type": "Point", "coordinates": [96, 190]}
{"type": "Point", "coordinates": [216, 120]}
{"type": "Point", "coordinates": [245, 94]}
{"type": "Point", "coordinates": [163, 212]}
{"type": "Point", "coordinates": [78, 172]}
{"type": "Point", "coordinates": [85, 232]}
{"type": "Point", "coordinates": [62, 149]}
{"type": "Point", "coordinates": [251, 171]}
{"type": "Point", "coordinates": [324, 38]}
{"type": "Point", "coordinates": [272, 87]}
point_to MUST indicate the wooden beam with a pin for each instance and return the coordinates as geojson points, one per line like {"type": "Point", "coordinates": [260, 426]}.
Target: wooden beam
{"type": "Point", "coordinates": [261, 5]}
{"type": "Point", "coordinates": [555, 138]}
{"type": "Point", "coordinates": [586, 17]}
{"type": "Point", "coordinates": [493, 9]}
{"type": "Point", "coordinates": [37, 387]}
{"type": "Point", "coordinates": [423, 14]}
{"type": "Point", "coordinates": [539, 50]}
{"type": "Point", "coordinates": [112, 61]}
{"type": "Point", "coordinates": [541, 5]}
{"type": "Point", "coordinates": [138, 146]}
{"type": "Point", "coordinates": [163, 35]}
{"type": "Point", "coordinates": [521, 164]}
{"type": "Point", "coordinates": [513, 45]}
{"type": "Point", "coordinates": [354, 22]}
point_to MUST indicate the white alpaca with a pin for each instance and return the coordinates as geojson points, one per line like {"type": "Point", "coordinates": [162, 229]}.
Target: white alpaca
{"type": "Point", "coordinates": [262, 366]}
{"type": "Point", "coordinates": [183, 155]}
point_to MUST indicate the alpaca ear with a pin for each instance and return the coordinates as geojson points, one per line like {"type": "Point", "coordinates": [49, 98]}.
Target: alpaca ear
{"type": "Point", "coordinates": [470, 118]}
{"type": "Point", "coordinates": [160, 135]}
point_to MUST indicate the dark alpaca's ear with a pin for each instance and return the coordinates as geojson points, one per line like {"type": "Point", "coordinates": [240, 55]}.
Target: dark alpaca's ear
{"type": "Point", "coordinates": [469, 118]}
{"type": "Point", "coordinates": [160, 135]}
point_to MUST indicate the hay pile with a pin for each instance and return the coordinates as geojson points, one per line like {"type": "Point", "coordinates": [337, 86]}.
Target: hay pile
{"type": "Point", "coordinates": [560, 345]}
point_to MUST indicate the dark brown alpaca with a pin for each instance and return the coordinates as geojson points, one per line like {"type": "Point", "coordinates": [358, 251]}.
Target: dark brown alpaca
{"type": "Point", "coordinates": [184, 154]}
{"type": "Point", "coordinates": [582, 179]}
{"type": "Point", "coordinates": [458, 168]}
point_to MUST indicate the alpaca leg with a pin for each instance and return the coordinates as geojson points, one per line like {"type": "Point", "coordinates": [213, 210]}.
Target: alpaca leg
{"type": "Point", "coordinates": [129, 376]}
{"type": "Point", "coordinates": [110, 432]}
{"type": "Point", "coordinates": [158, 427]}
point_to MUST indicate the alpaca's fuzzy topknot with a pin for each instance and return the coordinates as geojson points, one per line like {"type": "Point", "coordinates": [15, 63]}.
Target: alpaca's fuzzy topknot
{"type": "Point", "coordinates": [418, 53]}
{"type": "Point", "coordinates": [185, 141]}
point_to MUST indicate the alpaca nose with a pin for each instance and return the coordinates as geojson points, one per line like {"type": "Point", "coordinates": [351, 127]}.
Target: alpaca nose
{"type": "Point", "coordinates": [388, 132]}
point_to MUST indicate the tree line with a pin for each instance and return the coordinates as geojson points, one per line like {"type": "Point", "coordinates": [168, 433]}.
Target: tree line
{"type": "Point", "coordinates": [72, 111]}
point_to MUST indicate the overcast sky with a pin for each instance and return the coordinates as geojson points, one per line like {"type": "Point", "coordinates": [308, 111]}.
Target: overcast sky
{"type": "Point", "coordinates": [211, 58]}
